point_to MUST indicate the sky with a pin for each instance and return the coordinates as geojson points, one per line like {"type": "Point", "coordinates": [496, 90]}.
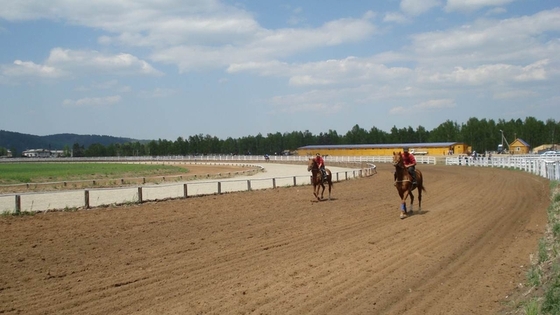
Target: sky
{"type": "Point", "coordinates": [165, 69]}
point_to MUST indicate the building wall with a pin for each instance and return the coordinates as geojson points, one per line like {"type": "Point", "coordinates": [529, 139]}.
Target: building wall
{"type": "Point", "coordinates": [517, 147]}
{"type": "Point", "coordinates": [459, 148]}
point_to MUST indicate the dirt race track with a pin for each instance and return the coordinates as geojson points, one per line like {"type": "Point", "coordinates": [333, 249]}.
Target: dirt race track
{"type": "Point", "coordinates": [278, 251]}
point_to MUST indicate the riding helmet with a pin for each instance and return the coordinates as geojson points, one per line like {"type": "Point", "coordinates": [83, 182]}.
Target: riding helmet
{"type": "Point", "coordinates": [405, 149]}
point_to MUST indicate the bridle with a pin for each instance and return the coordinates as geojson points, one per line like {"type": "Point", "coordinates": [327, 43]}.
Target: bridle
{"type": "Point", "coordinates": [314, 166]}
{"type": "Point", "coordinates": [400, 162]}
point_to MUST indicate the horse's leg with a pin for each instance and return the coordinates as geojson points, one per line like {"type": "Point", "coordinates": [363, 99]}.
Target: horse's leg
{"type": "Point", "coordinates": [322, 191]}
{"type": "Point", "coordinates": [315, 191]}
{"type": "Point", "coordinates": [403, 203]}
{"type": "Point", "coordinates": [411, 201]}
{"type": "Point", "coordinates": [330, 187]}
{"type": "Point", "coordinates": [419, 197]}
{"type": "Point", "coordinates": [420, 181]}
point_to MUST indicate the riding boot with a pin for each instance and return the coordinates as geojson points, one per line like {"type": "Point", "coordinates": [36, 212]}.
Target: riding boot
{"type": "Point", "coordinates": [412, 173]}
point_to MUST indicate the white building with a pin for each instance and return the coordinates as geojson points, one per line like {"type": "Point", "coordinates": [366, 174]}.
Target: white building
{"type": "Point", "coordinates": [42, 153]}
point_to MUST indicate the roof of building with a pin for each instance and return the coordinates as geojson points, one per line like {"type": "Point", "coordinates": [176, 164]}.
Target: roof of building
{"type": "Point", "coordinates": [380, 146]}
{"type": "Point", "coordinates": [522, 142]}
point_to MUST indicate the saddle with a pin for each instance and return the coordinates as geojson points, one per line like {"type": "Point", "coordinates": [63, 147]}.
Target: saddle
{"type": "Point", "coordinates": [324, 176]}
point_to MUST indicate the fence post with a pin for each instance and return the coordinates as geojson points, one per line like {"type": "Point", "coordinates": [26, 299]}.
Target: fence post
{"type": "Point", "coordinates": [139, 194]}
{"type": "Point", "coordinates": [248, 185]}
{"type": "Point", "coordinates": [274, 183]}
{"type": "Point", "coordinates": [18, 204]}
{"type": "Point", "coordinates": [86, 198]}
{"type": "Point", "coordinates": [295, 181]}
{"type": "Point", "coordinates": [219, 188]}
{"type": "Point", "coordinates": [185, 191]}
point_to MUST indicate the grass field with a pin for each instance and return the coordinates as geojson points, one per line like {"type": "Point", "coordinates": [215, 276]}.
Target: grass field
{"type": "Point", "coordinates": [17, 173]}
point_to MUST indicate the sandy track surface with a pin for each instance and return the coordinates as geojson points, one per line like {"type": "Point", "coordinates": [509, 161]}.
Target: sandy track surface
{"type": "Point", "coordinates": [278, 251]}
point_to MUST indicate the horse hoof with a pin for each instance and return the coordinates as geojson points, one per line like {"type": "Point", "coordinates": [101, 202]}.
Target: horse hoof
{"type": "Point", "coordinates": [403, 215]}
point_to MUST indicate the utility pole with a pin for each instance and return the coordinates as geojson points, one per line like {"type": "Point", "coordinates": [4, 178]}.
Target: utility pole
{"type": "Point", "coordinates": [502, 137]}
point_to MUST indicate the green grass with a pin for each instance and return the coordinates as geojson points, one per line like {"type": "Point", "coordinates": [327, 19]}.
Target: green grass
{"type": "Point", "coordinates": [18, 173]}
{"type": "Point", "coordinates": [544, 276]}
{"type": "Point", "coordinates": [532, 307]}
{"type": "Point", "coordinates": [534, 276]}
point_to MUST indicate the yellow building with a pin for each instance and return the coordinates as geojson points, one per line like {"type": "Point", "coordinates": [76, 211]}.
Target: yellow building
{"type": "Point", "coordinates": [435, 148]}
{"type": "Point", "coordinates": [519, 146]}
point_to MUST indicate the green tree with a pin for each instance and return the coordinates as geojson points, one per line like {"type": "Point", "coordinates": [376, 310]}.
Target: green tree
{"type": "Point", "coordinates": [77, 150]}
{"type": "Point", "coordinates": [95, 149]}
{"type": "Point", "coordinates": [448, 131]}
{"type": "Point", "coordinates": [357, 135]}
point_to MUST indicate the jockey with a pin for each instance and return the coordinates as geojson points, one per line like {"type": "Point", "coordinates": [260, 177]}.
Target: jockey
{"type": "Point", "coordinates": [321, 165]}
{"type": "Point", "coordinates": [410, 164]}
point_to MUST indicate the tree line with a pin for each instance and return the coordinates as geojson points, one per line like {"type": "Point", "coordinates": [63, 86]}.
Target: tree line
{"type": "Point", "coordinates": [482, 134]}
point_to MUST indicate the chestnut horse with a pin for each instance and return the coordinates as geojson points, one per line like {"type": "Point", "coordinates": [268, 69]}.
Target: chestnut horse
{"type": "Point", "coordinates": [317, 179]}
{"type": "Point", "coordinates": [403, 182]}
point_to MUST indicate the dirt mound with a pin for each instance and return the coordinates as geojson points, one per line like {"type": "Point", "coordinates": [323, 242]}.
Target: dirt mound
{"type": "Point", "coordinates": [278, 251]}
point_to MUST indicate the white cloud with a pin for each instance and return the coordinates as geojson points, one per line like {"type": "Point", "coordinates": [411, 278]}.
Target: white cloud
{"type": "Point", "coordinates": [395, 17]}
{"type": "Point", "coordinates": [473, 5]}
{"type": "Point", "coordinates": [514, 94]}
{"type": "Point", "coordinates": [334, 71]}
{"type": "Point", "coordinates": [144, 23]}
{"type": "Point", "coordinates": [95, 61]}
{"type": "Point", "coordinates": [426, 106]}
{"type": "Point", "coordinates": [266, 45]}
{"type": "Point", "coordinates": [158, 92]}
{"type": "Point", "coordinates": [515, 40]}
{"type": "Point", "coordinates": [308, 80]}
{"type": "Point", "coordinates": [113, 85]}
{"type": "Point", "coordinates": [491, 74]}
{"type": "Point", "coordinates": [190, 34]}
{"type": "Point", "coordinates": [65, 62]}
{"type": "Point", "coordinates": [496, 11]}
{"type": "Point", "coordinates": [435, 104]}
{"type": "Point", "coordinates": [417, 7]}
{"type": "Point", "coordinates": [92, 101]}
{"type": "Point", "coordinates": [317, 101]}
{"type": "Point", "coordinates": [30, 69]}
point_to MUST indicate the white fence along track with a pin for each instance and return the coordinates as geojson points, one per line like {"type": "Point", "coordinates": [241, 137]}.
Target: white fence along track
{"type": "Point", "coordinates": [548, 167]}
{"type": "Point", "coordinates": [272, 174]}
{"type": "Point", "coordinates": [355, 167]}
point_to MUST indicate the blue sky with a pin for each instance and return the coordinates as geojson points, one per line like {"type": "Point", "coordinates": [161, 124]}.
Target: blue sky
{"type": "Point", "coordinates": [175, 68]}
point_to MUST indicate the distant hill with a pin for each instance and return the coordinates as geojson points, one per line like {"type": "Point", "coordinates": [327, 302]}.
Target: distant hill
{"type": "Point", "coordinates": [21, 142]}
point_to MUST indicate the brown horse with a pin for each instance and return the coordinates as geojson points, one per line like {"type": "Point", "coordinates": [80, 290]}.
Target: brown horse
{"type": "Point", "coordinates": [403, 182]}
{"type": "Point", "coordinates": [317, 179]}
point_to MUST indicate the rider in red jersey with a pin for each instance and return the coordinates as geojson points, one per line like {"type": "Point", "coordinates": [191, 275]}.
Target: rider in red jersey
{"type": "Point", "coordinates": [321, 164]}
{"type": "Point", "coordinates": [410, 164]}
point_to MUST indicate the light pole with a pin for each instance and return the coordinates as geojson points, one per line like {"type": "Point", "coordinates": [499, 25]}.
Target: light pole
{"type": "Point", "coordinates": [502, 132]}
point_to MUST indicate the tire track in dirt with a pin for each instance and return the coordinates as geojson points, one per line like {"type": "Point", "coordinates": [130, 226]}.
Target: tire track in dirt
{"type": "Point", "coordinates": [279, 252]}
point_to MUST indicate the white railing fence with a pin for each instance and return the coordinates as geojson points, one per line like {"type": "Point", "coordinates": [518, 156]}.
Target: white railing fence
{"type": "Point", "coordinates": [223, 158]}
{"type": "Point", "coordinates": [548, 167]}
{"type": "Point", "coordinates": [97, 197]}
{"type": "Point", "coordinates": [359, 166]}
